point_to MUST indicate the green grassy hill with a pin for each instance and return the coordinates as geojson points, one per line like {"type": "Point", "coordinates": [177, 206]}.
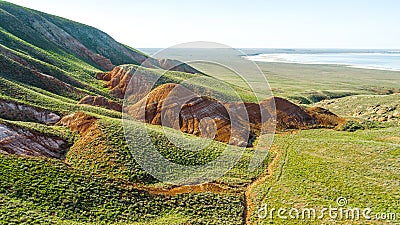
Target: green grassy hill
{"type": "Point", "coordinates": [49, 63]}
{"type": "Point", "coordinates": [381, 108]}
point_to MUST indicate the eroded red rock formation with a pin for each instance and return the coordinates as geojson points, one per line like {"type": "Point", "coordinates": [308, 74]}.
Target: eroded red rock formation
{"type": "Point", "coordinates": [202, 116]}
{"type": "Point", "coordinates": [117, 81]}
{"type": "Point", "coordinates": [234, 123]}
{"type": "Point", "coordinates": [101, 102]}
{"type": "Point", "coordinates": [191, 114]}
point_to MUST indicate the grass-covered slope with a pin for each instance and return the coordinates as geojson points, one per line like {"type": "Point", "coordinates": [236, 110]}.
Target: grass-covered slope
{"type": "Point", "coordinates": [368, 107]}
{"type": "Point", "coordinates": [56, 54]}
{"type": "Point", "coordinates": [49, 63]}
{"type": "Point", "coordinates": [39, 191]}
{"type": "Point", "coordinates": [59, 55]}
{"type": "Point", "coordinates": [104, 151]}
{"type": "Point", "coordinates": [65, 38]}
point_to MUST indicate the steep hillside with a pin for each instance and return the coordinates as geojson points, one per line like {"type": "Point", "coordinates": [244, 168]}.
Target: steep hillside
{"type": "Point", "coordinates": [62, 56]}
{"type": "Point", "coordinates": [78, 41]}
{"type": "Point", "coordinates": [32, 140]}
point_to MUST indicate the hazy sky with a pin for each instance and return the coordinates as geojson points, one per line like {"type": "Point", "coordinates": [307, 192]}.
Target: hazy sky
{"type": "Point", "coordinates": [258, 24]}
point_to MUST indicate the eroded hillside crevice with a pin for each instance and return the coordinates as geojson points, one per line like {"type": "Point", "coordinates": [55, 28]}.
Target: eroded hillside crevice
{"type": "Point", "coordinates": [101, 101]}
{"type": "Point", "coordinates": [12, 110]}
{"type": "Point", "coordinates": [279, 158]}
{"type": "Point", "coordinates": [24, 142]}
{"type": "Point", "coordinates": [79, 122]}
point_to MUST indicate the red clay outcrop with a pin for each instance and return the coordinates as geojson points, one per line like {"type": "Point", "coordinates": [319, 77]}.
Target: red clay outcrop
{"type": "Point", "coordinates": [116, 80]}
{"type": "Point", "coordinates": [100, 101]}
{"type": "Point", "coordinates": [79, 122]}
{"type": "Point", "coordinates": [195, 115]}
{"type": "Point", "coordinates": [233, 123]}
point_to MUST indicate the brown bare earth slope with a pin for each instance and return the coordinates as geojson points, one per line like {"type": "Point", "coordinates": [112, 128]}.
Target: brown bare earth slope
{"type": "Point", "coordinates": [79, 122]}
{"type": "Point", "coordinates": [117, 80]}
{"type": "Point", "coordinates": [292, 116]}
{"type": "Point", "coordinates": [202, 116]}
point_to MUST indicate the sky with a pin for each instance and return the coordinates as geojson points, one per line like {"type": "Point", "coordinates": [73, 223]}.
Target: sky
{"type": "Point", "coordinates": [355, 24]}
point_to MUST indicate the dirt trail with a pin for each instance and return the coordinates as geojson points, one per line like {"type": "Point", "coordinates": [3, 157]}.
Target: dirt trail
{"type": "Point", "coordinates": [278, 153]}
{"type": "Point", "coordinates": [207, 187]}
